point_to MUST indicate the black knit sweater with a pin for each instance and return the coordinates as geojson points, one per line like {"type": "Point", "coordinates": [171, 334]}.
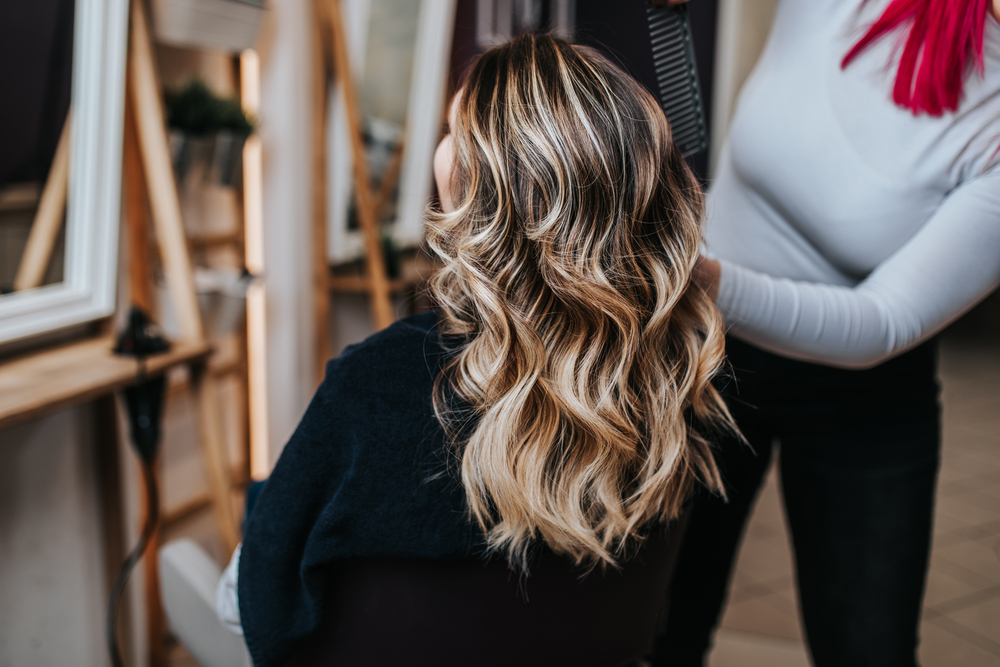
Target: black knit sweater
{"type": "Point", "coordinates": [365, 474]}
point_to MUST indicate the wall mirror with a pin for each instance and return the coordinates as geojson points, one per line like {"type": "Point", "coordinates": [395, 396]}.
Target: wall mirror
{"type": "Point", "coordinates": [60, 165]}
{"type": "Point", "coordinates": [399, 50]}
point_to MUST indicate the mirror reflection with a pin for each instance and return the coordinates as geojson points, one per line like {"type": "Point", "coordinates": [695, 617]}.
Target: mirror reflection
{"type": "Point", "coordinates": [36, 47]}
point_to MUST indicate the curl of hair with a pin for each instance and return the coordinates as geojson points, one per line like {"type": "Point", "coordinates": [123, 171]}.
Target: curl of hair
{"type": "Point", "coordinates": [582, 353]}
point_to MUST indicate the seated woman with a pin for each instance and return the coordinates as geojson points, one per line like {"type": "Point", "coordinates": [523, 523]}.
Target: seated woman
{"type": "Point", "coordinates": [497, 483]}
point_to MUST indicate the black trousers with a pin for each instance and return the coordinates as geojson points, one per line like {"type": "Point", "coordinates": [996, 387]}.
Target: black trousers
{"type": "Point", "coordinates": [859, 453]}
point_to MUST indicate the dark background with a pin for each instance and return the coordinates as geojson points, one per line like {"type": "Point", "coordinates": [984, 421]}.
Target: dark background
{"type": "Point", "coordinates": [622, 25]}
{"type": "Point", "coordinates": [36, 65]}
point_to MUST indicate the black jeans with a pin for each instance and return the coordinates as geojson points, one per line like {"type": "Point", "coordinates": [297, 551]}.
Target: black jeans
{"type": "Point", "coordinates": [859, 454]}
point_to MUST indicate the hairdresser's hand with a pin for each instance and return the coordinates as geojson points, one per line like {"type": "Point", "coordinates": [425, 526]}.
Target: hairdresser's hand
{"type": "Point", "coordinates": [706, 276]}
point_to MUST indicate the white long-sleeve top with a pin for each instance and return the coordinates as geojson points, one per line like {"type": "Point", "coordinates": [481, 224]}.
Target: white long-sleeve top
{"type": "Point", "coordinates": [848, 229]}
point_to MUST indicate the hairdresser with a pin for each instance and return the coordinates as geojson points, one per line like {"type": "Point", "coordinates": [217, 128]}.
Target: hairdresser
{"type": "Point", "coordinates": [855, 214]}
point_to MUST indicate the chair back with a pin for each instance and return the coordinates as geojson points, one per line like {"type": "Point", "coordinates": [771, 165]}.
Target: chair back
{"type": "Point", "coordinates": [461, 612]}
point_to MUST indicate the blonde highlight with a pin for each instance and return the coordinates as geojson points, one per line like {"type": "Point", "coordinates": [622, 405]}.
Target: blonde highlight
{"type": "Point", "coordinates": [578, 388]}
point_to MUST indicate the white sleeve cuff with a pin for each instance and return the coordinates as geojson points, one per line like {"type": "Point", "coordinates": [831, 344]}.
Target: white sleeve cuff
{"type": "Point", "coordinates": [227, 602]}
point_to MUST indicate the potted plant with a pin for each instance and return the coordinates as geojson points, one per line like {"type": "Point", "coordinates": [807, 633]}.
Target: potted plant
{"type": "Point", "coordinates": [207, 131]}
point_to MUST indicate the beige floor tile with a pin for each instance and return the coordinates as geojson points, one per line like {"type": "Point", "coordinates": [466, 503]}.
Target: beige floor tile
{"type": "Point", "coordinates": [764, 560]}
{"type": "Point", "coordinates": [784, 582]}
{"type": "Point", "coordinates": [988, 489]}
{"type": "Point", "coordinates": [787, 601]}
{"type": "Point", "coordinates": [986, 450]}
{"type": "Point", "coordinates": [948, 474]}
{"type": "Point", "coordinates": [973, 389]}
{"type": "Point", "coordinates": [965, 633]}
{"type": "Point", "coordinates": [738, 649]}
{"type": "Point", "coordinates": [969, 433]}
{"type": "Point", "coordinates": [766, 615]}
{"type": "Point", "coordinates": [983, 531]}
{"type": "Point", "coordinates": [978, 533]}
{"type": "Point", "coordinates": [967, 511]}
{"type": "Point", "coordinates": [940, 648]}
{"type": "Point", "coordinates": [985, 482]}
{"type": "Point", "coordinates": [983, 618]}
{"type": "Point", "coordinates": [956, 487]}
{"type": "Point", "coordinates": [766, 531]}
{"type": "Point", "coordinates": [962, 452]}
{"type": "Point", "coordinates": [986, 499]}
{"type": "Point", "coordinates": [989, 479]}
{"type": "Point", "coordinates": [943, 588]}
{"type": "Point", "coordinates": [975, 557]}
{"type": "Point", "coordinates": [741, 578]}
{"type": "Point", "coordinates": [949, 518]}
{"type": "Point", "coordinates": [960, 572]}
{"type": "Point", "coordinates": [748, 591]}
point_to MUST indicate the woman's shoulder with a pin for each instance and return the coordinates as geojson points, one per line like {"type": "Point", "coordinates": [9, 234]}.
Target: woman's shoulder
{"type": "Point", "coordinates": [407, 352]}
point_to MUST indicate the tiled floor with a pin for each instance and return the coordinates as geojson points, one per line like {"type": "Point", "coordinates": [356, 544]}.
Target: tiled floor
{"type": "Point", "coordinates": [961, 623]}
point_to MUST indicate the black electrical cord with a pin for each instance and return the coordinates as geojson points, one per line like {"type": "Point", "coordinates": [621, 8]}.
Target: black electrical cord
{"type": "Point", "coordinates": [118, 586]}
{"type": "Point", "coordinates": [144, 407]}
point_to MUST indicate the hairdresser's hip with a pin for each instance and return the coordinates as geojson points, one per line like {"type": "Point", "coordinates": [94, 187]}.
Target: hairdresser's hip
{"type": "Point", "coordinates": [767, 384]}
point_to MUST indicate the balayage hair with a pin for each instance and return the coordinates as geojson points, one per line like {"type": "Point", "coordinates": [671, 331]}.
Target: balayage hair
{"type": "Point", "coordinates": [582, 354]}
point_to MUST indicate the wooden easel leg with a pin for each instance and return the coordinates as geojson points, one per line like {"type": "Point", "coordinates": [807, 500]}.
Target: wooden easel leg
{"type": "Point", "coordinates": [48, 218]}
{"type": "Point", "coordinates": [136, 216]}
{"type": "Point", "coordinates": [321, 264]}
{"type": "Point", "coordinates": [206, 400]}
{"type": "Point", "coordinates": [378, 281]}
{"type": "Point", "coordinates": [165, 206]}
{"type": "Point", "coordinates": [140, 285]}
{"type": "Point", "coordinates": [151, 129]}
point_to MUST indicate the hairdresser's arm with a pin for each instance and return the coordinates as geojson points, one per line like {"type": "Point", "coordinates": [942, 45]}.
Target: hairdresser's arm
{"type": "Point", "coordinates": [706, 276]}
{"type": "Point", "coordinates": [941, 272]}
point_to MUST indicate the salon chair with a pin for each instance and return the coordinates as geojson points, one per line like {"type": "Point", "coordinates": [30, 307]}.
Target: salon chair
{"type": "Point", "coordinates": [391, 612]}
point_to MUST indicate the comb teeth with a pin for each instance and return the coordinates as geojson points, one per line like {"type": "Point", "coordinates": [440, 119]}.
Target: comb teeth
{"type": "Point", "coordinates": [673, 60]}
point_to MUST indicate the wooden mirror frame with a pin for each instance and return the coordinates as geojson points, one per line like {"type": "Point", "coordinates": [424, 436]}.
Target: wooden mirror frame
{"type": "Point", "coordinates": [87, 291]}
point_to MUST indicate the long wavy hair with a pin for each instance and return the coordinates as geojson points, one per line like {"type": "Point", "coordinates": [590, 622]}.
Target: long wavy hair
{"type": "Point", "coordinates": [579, 384]}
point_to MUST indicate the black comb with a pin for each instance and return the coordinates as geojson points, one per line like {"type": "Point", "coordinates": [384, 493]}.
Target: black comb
{"type": "Point", "coordinates": [654, 45]}
{"type": "Point", "coordinates": [677, 77]}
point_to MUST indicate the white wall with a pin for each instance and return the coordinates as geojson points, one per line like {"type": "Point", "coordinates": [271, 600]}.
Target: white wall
{"type": "Point", "coordinates": [742, 32]}
{"type": "Point", "coordinates": [287, 144]}
{"type": "Point", "coordinates": [52, 584]}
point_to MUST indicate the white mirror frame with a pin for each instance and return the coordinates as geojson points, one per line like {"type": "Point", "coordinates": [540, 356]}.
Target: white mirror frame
{"type": "Point", "coordinates": [92, 215]}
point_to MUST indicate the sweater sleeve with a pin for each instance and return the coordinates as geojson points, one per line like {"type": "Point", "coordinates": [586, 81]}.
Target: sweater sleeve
{"type": "Point", "coordinates": [281, 581]}
{"type": "Point", "coordinates": [941, 272]}
{"type": "Point", "coordinates": [364, 475]}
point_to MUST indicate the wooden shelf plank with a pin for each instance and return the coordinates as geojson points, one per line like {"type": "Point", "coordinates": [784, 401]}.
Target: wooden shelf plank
{"type": "Point", "coordinates": [361, 284]}
{"type": "Point", "coordinates": [42, 382]}
{"type": "Point", "coordinates": [234, 237]}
